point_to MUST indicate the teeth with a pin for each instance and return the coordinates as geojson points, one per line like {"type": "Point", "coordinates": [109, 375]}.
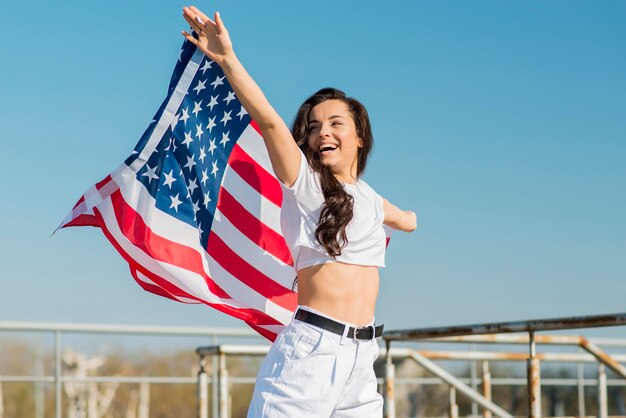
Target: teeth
{"type": "Point", "coordinates": [327, 148]}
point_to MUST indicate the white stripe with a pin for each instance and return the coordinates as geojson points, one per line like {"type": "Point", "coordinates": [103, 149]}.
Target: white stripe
{"type": "Point", "coordinates": [145, 279]}
{"type": "Point", "coordinates": [250, 199]}
{"type": "Point", "coordinates": [260, 259]}
{"type": "Point", "coordinates": [170, 110]}
{"type": "Point", "coordinates": [137, 196]}
{"type": "Point", "coordinates": [252, 143]}
{"type": "Point", "coordinates": [233, 286]}
{"type": "Point", "coordinates": [186, 280]}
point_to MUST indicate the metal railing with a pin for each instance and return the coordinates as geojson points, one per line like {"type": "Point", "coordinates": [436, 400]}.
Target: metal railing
{"type": "Point", "coordinates": [533, 359]}
{"type": "Point", "coordinates": [57, 330]}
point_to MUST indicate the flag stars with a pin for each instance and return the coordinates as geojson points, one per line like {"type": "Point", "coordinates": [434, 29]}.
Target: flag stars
{"type": "Point", "coordinates": [175, 202]}
{"type": "Point", "coordinates": [205, 177]}
{"type": "Point", "coordinates": [196, 208]}
{"type": "Point", "coordinates": [169, 180]}
{"type": "Point", "coordinates": [188, 139]}
{"type": "Point", "coordinates": [218, 81]}
{"type": "Point", "coordinates": [211, 124]}
{"type": "Point", "coordinates": [192, 186]}
{"type": "Point", "coordinates": [212, 145]}
{"type": "Point", "coordinates": [214, 170]}
{"type": "Point", "coordinates": [150, 173]}
{"type": "Point", "coordinates": [200, 86]}
{"type": "Point", "coordinates": [199, 130]}
{"type": "Point", "coordinates": [184, 116]}
{"type": "Point", "coordinates": [202, 155]}
{"type": "Point", "coordinates": [225, 139]}
{"type": "Point", "coordinates": [190, 162]}
{"type": "Point", "coordinates": [200, 228]}
{"type": "Point", "coordinates": [207, 65]}
{"type": "Point", "coordinates": [207, 200]}
{"type": "Point", "coordinates": [213, 102]}
{"type": "Point", "coordinates": [226, 117]}
{"type": "Point", "coordinates": [197, 108]}
{"type": "Point", "coordinates": [231, 96]}
{"type": "Point", "coordinates": [242, 113]}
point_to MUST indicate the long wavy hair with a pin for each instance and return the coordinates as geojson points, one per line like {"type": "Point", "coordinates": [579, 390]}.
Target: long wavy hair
{"type": "Point", "coordinates": [337, 210]}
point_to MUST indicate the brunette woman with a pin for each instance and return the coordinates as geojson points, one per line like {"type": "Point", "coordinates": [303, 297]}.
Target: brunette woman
{"type": "Point", "coordinates": [321, 365]}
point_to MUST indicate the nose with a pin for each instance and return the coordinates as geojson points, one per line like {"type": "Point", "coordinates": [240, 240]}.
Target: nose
{"type": "Point", "coordinates": [324, 130]}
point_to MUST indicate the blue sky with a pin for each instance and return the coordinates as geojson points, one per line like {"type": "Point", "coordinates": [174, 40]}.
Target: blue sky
{"type": "Point", "coordinates": [502, 124]}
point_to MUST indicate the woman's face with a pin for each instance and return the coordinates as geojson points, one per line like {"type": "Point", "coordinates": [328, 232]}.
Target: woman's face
{"type": "Point", "coordinates": [332, 134]}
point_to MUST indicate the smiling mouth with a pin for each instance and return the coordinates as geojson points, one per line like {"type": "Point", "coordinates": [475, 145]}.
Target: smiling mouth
{"type": "Point", "coordinates": [327, 149]}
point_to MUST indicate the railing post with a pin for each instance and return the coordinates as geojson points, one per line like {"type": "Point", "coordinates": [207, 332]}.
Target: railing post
{"type": "Point", "coordinates": [580, 377]}
{"type": "Point", "coordinates": [534, 383]}
{"type": "Point", "coordinates": [602, 395]}
{"type": "Point", "coordinates": [223, 383]}
{"type": "Point", "coordinates": [389, 392]}
{"type": "Point", "coordinates": [203, 390]}
{"type": "Point", "coordinates": [474, 382]}
{"type": "Point", "coordinates": [57, 373]}
{"type": "Point", "coordinates": [486, 386]}
{"type": "Point", "coordinates": [214, 378]}
{"type": "Point", "coordinates": [453, 411]}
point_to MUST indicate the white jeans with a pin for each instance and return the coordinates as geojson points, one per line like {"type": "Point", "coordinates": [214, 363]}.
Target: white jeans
{"type": "Point", "coordinates": [311, 372]}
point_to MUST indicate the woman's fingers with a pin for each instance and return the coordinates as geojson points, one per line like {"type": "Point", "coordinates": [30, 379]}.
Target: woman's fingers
{"type": "Point", "coordinates": [198, 12]}
{"type": "Point", "coordinates": [219, 23]}
{"type": "Point", "coordinates": [195, 25]}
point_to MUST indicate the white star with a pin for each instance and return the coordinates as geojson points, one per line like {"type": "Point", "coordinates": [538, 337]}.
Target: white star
{"type": "Point", "coordinates": [231, 96]}
{"type": "Point", "coordinates": [200, 228]}
{"type": "Point", "coordinates": [205, 177]}
{"type": "Point", "coordinates": [242, 113]}
{"type": "Point", "coordinates": [150, 173]}
{"type": "Point", "coordinates": [185, 115]}
{"type": "Point", "coordinates": [206, 66]}
{"type": "Point", "coordinates": [218, 81]}
{"type": "Point", "coordinates": [175, 203]}
{"type": "Point", "coordinates": [225, 139]}
{"type": "Point", "coordinates": [188, 139]}
{"type": "Point", "coordinates": [173, 144]}
{"type": "Point", "coordinates": [226, 117]}
{"type": "Point", "coordinates": [207, 199]}
{"type": "Point", "coordinates": [211, 124]}
{"type": "Point", "coordinates": [213, 102]}
{"type": "Point", "coordinates": [212, 145]}
{"type": "Point", "coordinates": [169, 179]}
{"type": "Point", "coordinates": [214, 170]}
{"type": "Point", "coordinates": [196, 208]}
{"type": "Point", "coordinates": [200, 86]}
{"type": "Point", "coordinates": [202, 155]}
{"type": "Point", "coordinates": [180, 54]}
{"type": "Point", "coordinates": [199, 131]}
{"type": "Point", "coordinates": [196, 108]}
{"type": "Point", "coordinates": [190, 163]}
{"type": "Point", "coordinates": [192, 185]}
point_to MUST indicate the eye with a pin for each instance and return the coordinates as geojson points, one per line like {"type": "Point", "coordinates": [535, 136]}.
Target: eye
{"type": "Point", "coordinates": [337, 123]}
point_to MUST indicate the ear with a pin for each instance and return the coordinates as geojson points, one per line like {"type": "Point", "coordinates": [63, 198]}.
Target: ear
{"type": "Point", "coordinates": [360, 144]}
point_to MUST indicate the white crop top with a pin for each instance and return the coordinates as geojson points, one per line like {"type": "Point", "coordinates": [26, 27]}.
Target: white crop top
{"type": "Point", "coordinates": [302, 205]}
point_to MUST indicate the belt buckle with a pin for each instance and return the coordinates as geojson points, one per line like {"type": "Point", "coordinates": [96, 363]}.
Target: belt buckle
{"type": "Point", "coordinates": [357, 331]}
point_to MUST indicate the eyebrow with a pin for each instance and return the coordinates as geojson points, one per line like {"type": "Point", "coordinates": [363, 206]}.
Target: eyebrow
{"type": "Point", "coordinates": [332, 117]}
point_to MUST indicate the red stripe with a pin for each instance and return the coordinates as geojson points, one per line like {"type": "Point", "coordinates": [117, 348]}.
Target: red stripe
{"type": "Point", "coordinates": [249, 275]}
{"type": "Point", "coordinates": [251, 316]}
{"type": "Point", "coordinates": [152, 288]}
{"type": "Point", "coordinates": [259, 233]}
{"type": "Point", "coordinates": [255, 175]}
{"type": "Point", "coordinates": [264, 332]}
{"type": "Point", "coordinates": [139, 234]}
{"type": "Point", "coordinates": [81, 200]}
{"type": "Point", "coordinates": [83, 220]}
{"type": "Point", "coordinates": [103, 182]}
{"type": "Point", "coordinates": [255, 126]}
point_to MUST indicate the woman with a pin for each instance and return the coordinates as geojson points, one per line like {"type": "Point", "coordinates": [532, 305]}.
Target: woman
{"type": "Point", "coordinates": [321, 365]}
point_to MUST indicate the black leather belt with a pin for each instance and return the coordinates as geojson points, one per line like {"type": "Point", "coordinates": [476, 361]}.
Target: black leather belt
{"type": "Point", "coordinates": [362, 333]}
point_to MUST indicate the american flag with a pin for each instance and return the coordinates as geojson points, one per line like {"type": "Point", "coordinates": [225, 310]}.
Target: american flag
{"type": "Point", "coordinates": [195, 209]}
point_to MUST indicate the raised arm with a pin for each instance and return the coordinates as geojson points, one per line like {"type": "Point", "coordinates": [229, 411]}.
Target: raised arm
{"type": "Point", "coordinates": [404, 220]}
{"type": "Point", "coordinates": [214, 41]}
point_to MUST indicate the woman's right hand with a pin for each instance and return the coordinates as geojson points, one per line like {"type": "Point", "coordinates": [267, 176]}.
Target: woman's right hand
{"type": "Point", "coordinates": [213, 37]}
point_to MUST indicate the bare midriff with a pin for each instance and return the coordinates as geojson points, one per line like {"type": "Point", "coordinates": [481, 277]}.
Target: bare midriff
{"type": "Point", "coordinates": [346, 292]}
